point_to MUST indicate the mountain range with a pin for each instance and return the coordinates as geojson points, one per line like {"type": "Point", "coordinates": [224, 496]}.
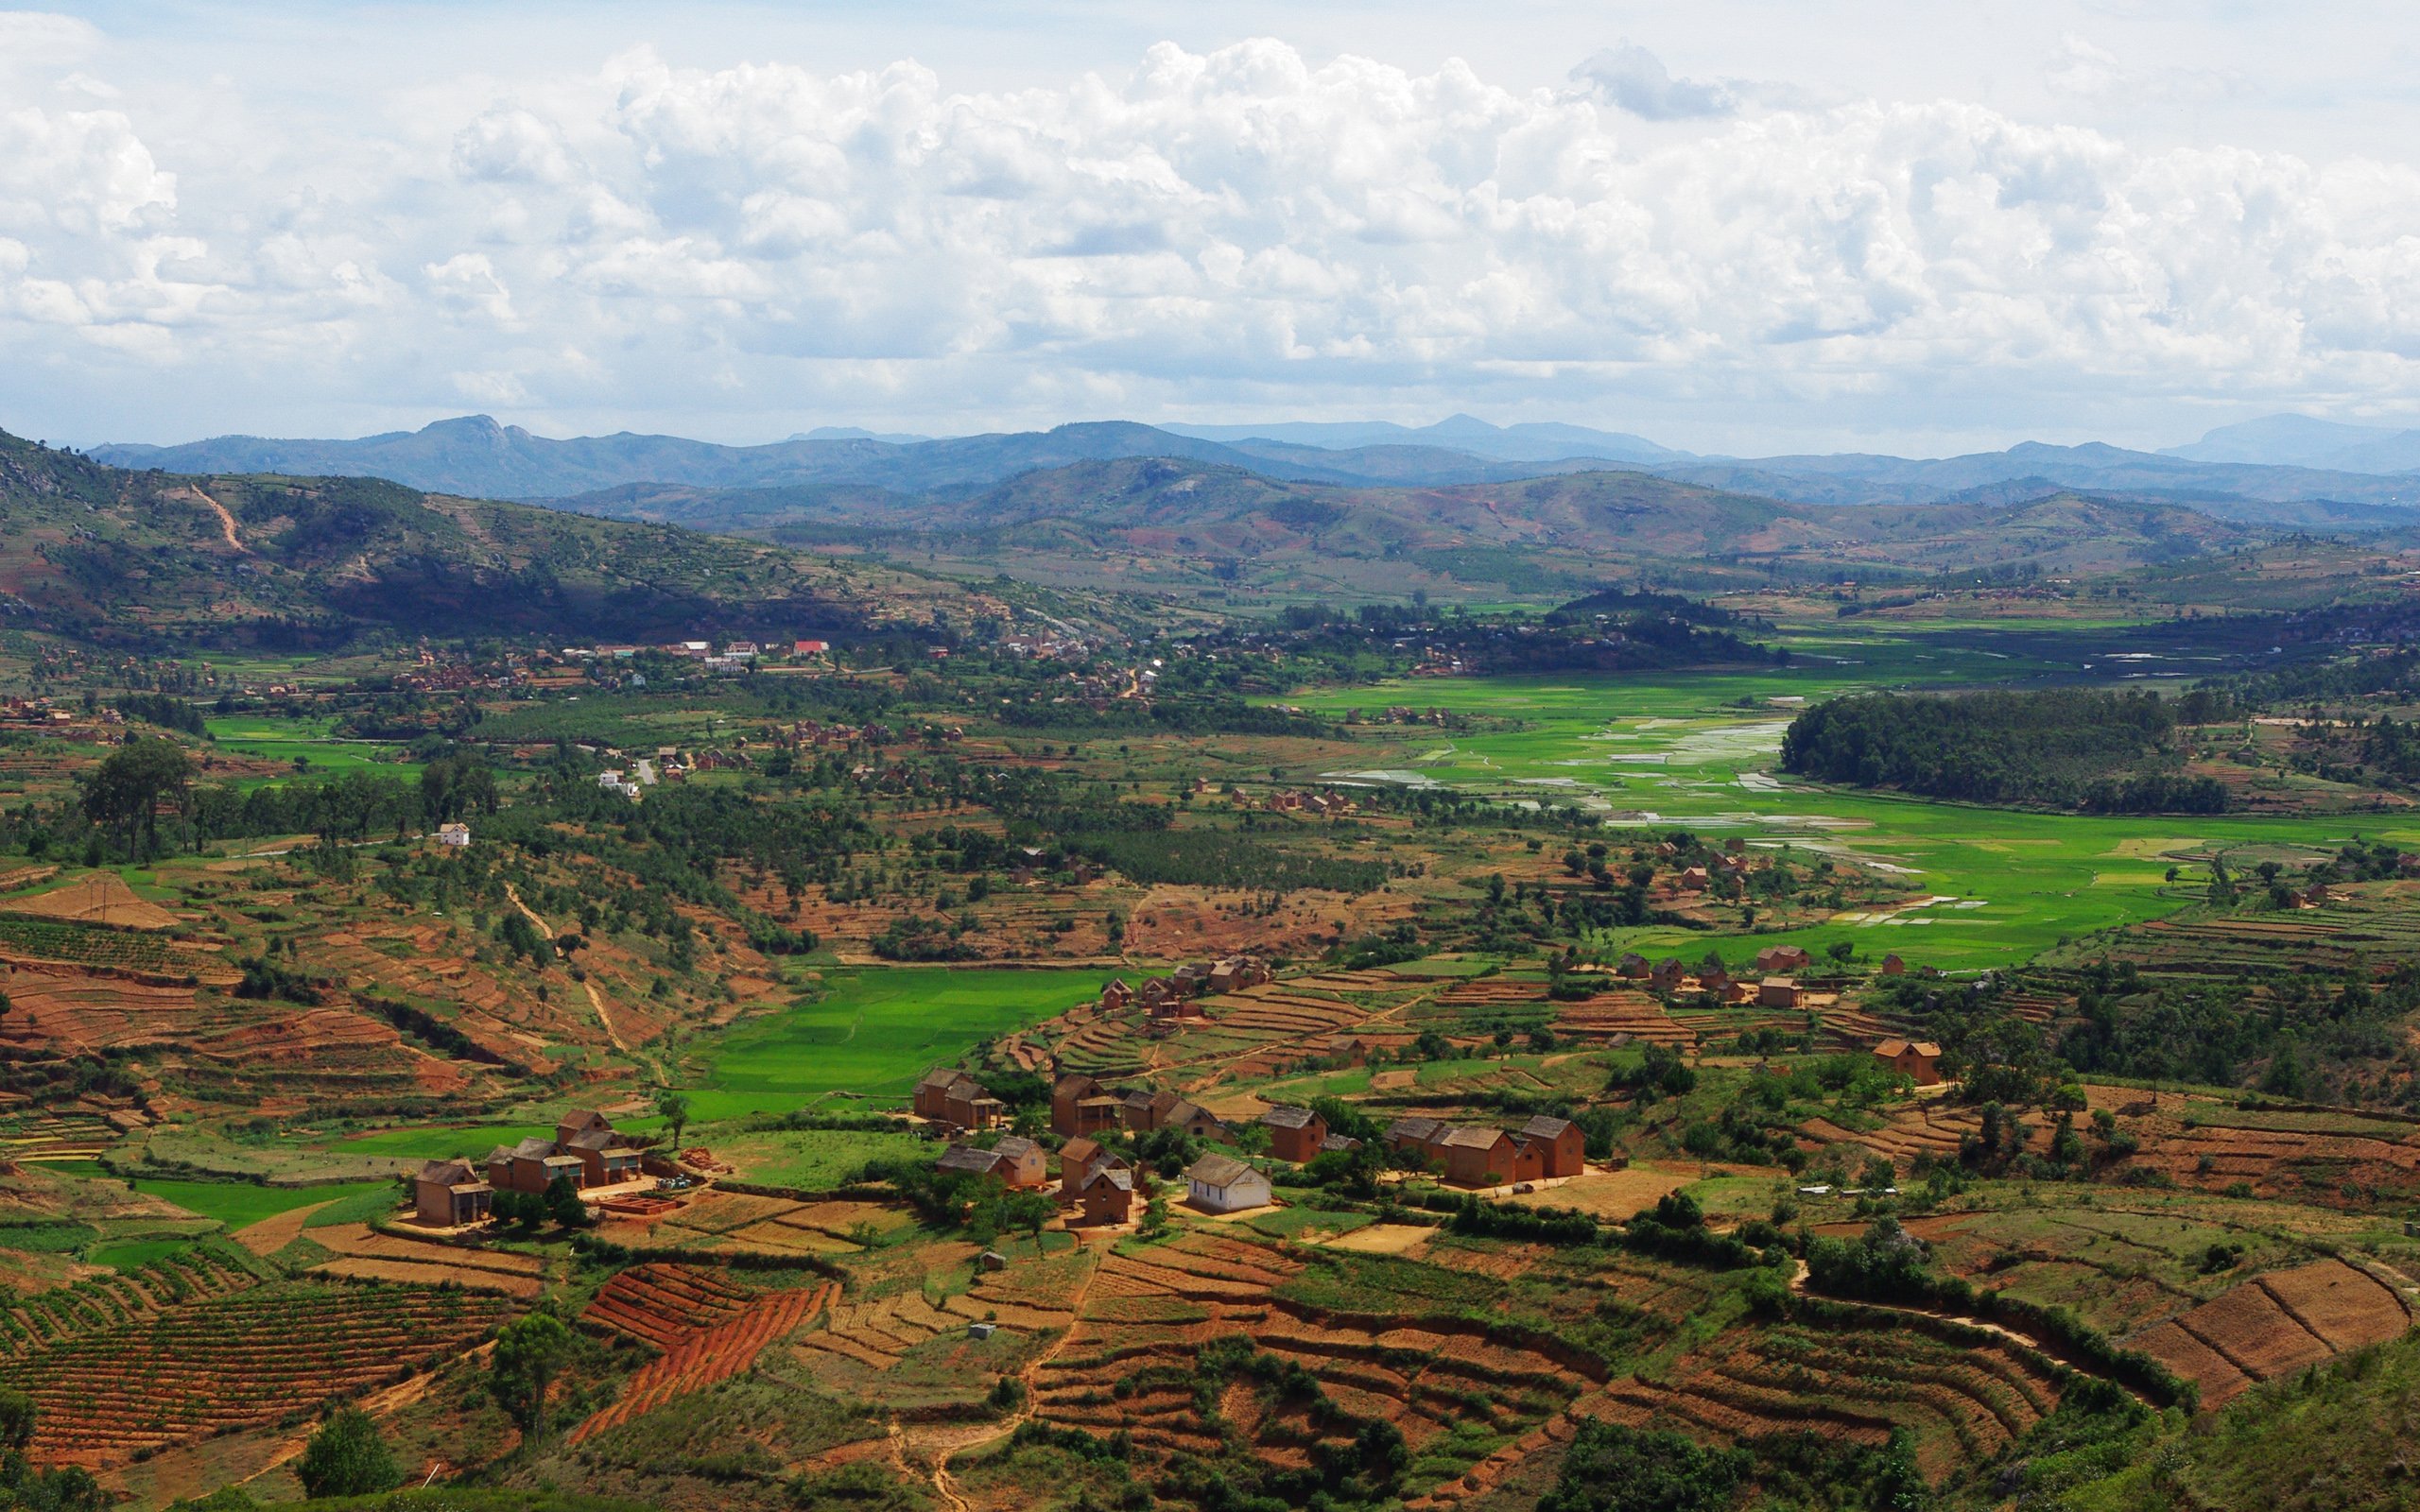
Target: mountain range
{"type": "Point", "coordinates": [2281, 459]}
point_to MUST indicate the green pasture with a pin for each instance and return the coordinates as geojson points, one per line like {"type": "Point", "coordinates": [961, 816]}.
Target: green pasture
{"type": "Point", "coordinates": [285, 738]}
{"type": "Point", "coordinates": [1700, 752]}
{"type": "Point", "coordinates": [240, 1204]}
{"type": "Point", "coordinates": [874, 1032]}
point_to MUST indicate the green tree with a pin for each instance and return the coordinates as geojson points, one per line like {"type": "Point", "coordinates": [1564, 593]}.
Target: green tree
{"type": "Point", "coordinates": [562, 1204]}
{"type": "Point", "coordinates": [528, 1352]}
{"type": "Point", "coordinates": [17, 1416]}
{"type": "Point", "coordinates": [1030, 1211]}
{"type": "Point", "coordinates": [673, 1107]}
{"type": "Point", "coordinates": [347, 1457]}
{"type": "Point", "coordinates": [124, 794]}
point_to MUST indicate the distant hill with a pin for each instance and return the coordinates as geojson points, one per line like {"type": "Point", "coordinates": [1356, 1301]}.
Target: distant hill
{"type": "Point", "coordinates": [114, 556]}
{"type": "Point", "coordinates": [1864, 478]}
{"type": "Point", "coordinates": [2299, 440]}
{"type": "Point", "coordinates": [1529, 442]}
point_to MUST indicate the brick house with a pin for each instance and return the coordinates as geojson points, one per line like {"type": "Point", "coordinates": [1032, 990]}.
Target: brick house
{"type": "Point", "coordinates": [1777, 992]}
{"type": "Point", "coordinates": [531, 1166]}
{"type": "Point", "coordinates": [1782, 959]}
{"type": "Point", "coordinates": [1108, 1195]}
{"type": "Point", "coordinates": [1893, 965]}
{"type": "Point", "coordinates": [1422, 1138]}
{"type": "Point", "coordinates": [1082, 1106]}
{"type": "Point", "coordinates": [1115, 996]}
{"type": "Point", "coordinates": [1478, 1157]}
{"type": "Point", "coordinates": [582, 1120]}
{"type": "Point", "coordinates": [948, 1096]}
{"type": "Point", "coordinates": [604, 1160]}
{"type": "Point", "coordinates": [1633, 966]}
{"type": "Point", "coordinates": [1919, 1059]}
{"type": "Point", "coordinates": [1562, 1149]}
{"type": "Point", "coordinates": [449, 1193]}
{"type": "Point", "coordinates": [1666, 973]}
{"type": "Point", "coordinates": [1078, 1159]}
{"type": "Point", "coordinates": [1018, 1163]}
{"type": "Point", "coordinates": [1294, 1133]}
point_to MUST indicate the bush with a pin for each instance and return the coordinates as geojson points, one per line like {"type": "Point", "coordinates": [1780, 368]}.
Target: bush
{"type": "Point", "coordinates": [347, 1457]}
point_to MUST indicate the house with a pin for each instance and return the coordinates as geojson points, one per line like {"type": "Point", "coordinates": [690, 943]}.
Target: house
{"type": "Point", "coordinates": [532, 1166]}
{"type": "Point", "coordinates": [1478, 1157]}
{"type": "Point", "coordinates": [1631, 965]}
{"type": "Point", "coordinates": [1338, 1145]}
{"type": "Point", "coordinates": [1919, 1059]}
{"type": "Point", "coordinates": [449, 1193]}
{"type": "Point", "coordinates": [1115, 996]}
{"type": "Point", "coordinates": [1893, 965]}
{"type": "Point", "coordinates": [1235, 974]}
{"type": "Point", "coordinates": [1562, 1149]}
{"type": "Point", "coordinates": [809, 647]}
{"type": "Point", "coordinates": [1417, 1136]}
{"type": "Point", "coordinates": [1198, 1122]}
{"type": "Point", "coordinates": [1693, 879]}
{"type": "Point", "coordinates": [965, 1160]}
{"type": "Point", "coordinates": [1078, 1159]}
{"type": "Point", "coordinates": [1778, 993]}
{"type": "Point", "coordinates": [1080, 1105]}
{"type": "Point", "coordinates": [1021, 1163]}
{"type": "Point", "coordinates": [456, 834]}
{"type": "Point", "coordinates": [1219, 1183]}
{"type": "Point", "coordinates": [1161, 999]}
{"type": "Point", "coordinates": [1665, 977]}
{"type": "Point", "coordinates": [604, 1160]}
{"type": "Point", "coordinates": [1736, 992]}
{"type": "Point", "coordinates": [1108, 1195]}
{"type": "Point", "coordinates": [1782, 959]}
{"type": "Point", "coordinates": [1713, 979]}
{"type": "Point", "coordinates": [582, 1120]}
{"type": "Point", "coordinates": [948, 1096]}
{"type": "Point", "coordinates": [1294, 1133]}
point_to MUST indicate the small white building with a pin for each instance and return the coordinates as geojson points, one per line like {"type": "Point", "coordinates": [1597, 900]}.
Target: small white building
{"type": "Point", "coordinates": [1220, 1183]}
{"type": "Point", "coordinates": [453, 834]}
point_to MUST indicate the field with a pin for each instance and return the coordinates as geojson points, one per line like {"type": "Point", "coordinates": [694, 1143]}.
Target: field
{"type": "Point", "coordinates": [1699, 753]}
{"type": "Point", "coordinates": [872, 1032]}
{"type": "Point", "coordinates": [240, 1204]}
{"type": "Point", "coordinates": [310, 741]}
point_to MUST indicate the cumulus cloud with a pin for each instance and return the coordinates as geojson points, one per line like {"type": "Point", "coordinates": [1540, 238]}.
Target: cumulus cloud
{"type": "Point", "coordinates": [1237, 222]}
{"type": "Point", "coordinates": [1634, 80]}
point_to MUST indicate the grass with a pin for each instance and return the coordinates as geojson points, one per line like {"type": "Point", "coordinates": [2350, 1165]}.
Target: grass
{"type": "Point", "coordinates": [240, 1204]}
{"type": "Point", "coordinates": [438, 1142]}
{"type": "Point", "coordinates": [815, 1160]}
{"type": "Point", "coordinates": [286, 738]}
{"type": "Point", "coordinates": [874, 1032]}
{"type": "Point", "coordinates": [1700, 751]}
{"type": "Point", "coordinates": [135, 1253]}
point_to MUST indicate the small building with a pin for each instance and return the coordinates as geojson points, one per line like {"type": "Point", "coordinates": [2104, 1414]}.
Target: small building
{"type": "Point", "coordinates": [1893, 965]}
{"type": "Point", "coordinates": [948, 1096]}
{"type": "Point", "coordinates": [1108, 1195]}
{"type": "Point", "coordinates": [1079, 1159]}
{"type": "Point", "coordinates": [532, 1166]}
{"type": "Point", "coordinates": [1562, 1149]}
{"type": "Point", "coordinates": [604, 1160]}
{"type": "Point", "coordinates": [1667, 975]}
{"type": "Point", "coordinates": [582, 1120]}
{"type": "Point", "coordinates": [1115, 996]}
{"type": "Point", "coordinates": [454, 834]}
{"type": "Point", "coordinates": [1918, 1060]}
{"type": "Point", "coordinates": [1021, 1163]}
{"type": "Point", "coordinates": [1633, 966]}
{"type": "Point", "coordinates": [1418, 1135]}
{"type": "Point", "coordinates": [1778, 993]}
{"type": "Point", "coordinates": [1294, 1133]}
{"type": "Point", "coordinates": [1782, 959]}
{"type": "Point", "coordinates": [1692, 878]}
{"type": "Point", "coordinates": [1477, 1156]}
{"type": "Point", "coordinates": [1082, 1106]}
{"type": "Point", "coordinates": [1220, 1183]}
{"type": "Point", "coordinates": [449, 1193]}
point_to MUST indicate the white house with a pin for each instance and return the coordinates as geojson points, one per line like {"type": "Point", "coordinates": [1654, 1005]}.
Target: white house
{"type": "Point", "coordinates": [457, 834]}
{"type": "Point", "coordinates": [1219, 1183]}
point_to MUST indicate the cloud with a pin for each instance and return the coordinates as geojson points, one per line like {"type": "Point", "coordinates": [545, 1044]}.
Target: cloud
{"type": "Point", "coordinates": [1632, 79]}
{"type": "Point", "coordinates": [2081, 70]}
{"type": "Point", "coordinates": [1244, 225]}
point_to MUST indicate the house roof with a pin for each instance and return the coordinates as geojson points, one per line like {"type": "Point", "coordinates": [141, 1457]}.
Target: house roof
{"type": "Point", "coordinates": [968, 1158]}
{"type": "Point", "coordinates": [1015, 1147]}
{"type": "Point", "coordinates": [1219, 1170]}
{"type": "Point", "coordinates": [1181, 1111]}
{"type": "Point", "coordinates": [1079, 1152]}
{"type": "Point", "coordinates": [1543, 1128]}
{"type": "Point", "coordinates": [448, 1172]}
{"type": "Point", "coordinates": [1890, 1049]}
{"type": "Point", "coordinates": [502, 1152]}
{"type": "Point", "coordinates": [1116, 1176]}
{"type": "Point", "coordinates": [1284, 1117]}
{"type": "Point", "coordinates": [592, 1139]}
{"type": "Point", "coordinates": [1781, 981]}
{"type": "Point", "coordinates": [1415, 1128]}
{"type": "Point", "coordinates": [1339, 1142]}
{"type": "Point", "coordinates": [1472, 1137]}
{"type": "Point", "coordinates": [584, 1115]}
{"type": "Point", "coordinates": [532, 1148]}
{"type": "Point", "coordinates": [940, 1076]}
{"type": "Point", "coordinates": [1073, 1083]}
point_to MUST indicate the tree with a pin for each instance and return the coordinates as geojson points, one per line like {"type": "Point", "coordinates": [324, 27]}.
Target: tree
{"type": "Point", "coordinates": [1030, 1211]}
{"type": "Point", "coordinates": [673, 1107]}
{"type": "Point", "coordinates": [562, 1204]}
{"type": "Point", "coordinates": [528, 1352]}
{"type": "Point", "coordinates": [17, 1416]}
{"type": "Point", "coordinates": [125, 792]}
{"type": "Point", "coordinates": [347, 1457]}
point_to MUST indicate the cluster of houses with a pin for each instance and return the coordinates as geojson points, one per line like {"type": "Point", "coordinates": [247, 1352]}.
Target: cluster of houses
{"type": "Point", "coordinates": [669, 764]}
{"type": "Point", "coordinates": [1477, 1156]}
{"type": "Point", "coordinates": [734, 654]}
{"type": "Point", "coordinates": [1081, 1106]}
{"type": "Point", "coordinates": [586, 1152]}
{"type": "Point", "coordinates": [1171, 996]}
{"type": "Point", "coordinates": [811, 735]}
{"type": "Point", "coordinates": [1773, 988]}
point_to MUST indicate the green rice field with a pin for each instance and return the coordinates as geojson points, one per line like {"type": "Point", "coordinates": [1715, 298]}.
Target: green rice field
{"type": "Point", "coordinates": [874, 1032]}
{"type": "Point", "coordinates": [283, 738]}
{"type": "Point", "coordinates": [240, 1204]}
{"type": "Point", "coordinates": [1700, 752]}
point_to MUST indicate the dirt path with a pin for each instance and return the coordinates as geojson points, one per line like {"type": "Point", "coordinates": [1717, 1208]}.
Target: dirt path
{"type": "Point", "coordinates": [596, 999]}
{"type": "Point", "coordinates": [272, 1234]}
{"type": "Point", "coordinates": [957, 1439]}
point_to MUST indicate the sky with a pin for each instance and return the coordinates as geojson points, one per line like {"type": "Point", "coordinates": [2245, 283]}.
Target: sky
{"type": "Point", "coordinates": [1736, 226]}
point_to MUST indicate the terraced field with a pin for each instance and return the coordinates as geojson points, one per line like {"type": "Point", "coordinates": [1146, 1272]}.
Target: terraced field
{"type": "Point", "coordinates": [702, 1355]}
{"type": "Point", "coordinates": [2275, 1325]}
{"type": "Point", "coordinates": [363, 1254]}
